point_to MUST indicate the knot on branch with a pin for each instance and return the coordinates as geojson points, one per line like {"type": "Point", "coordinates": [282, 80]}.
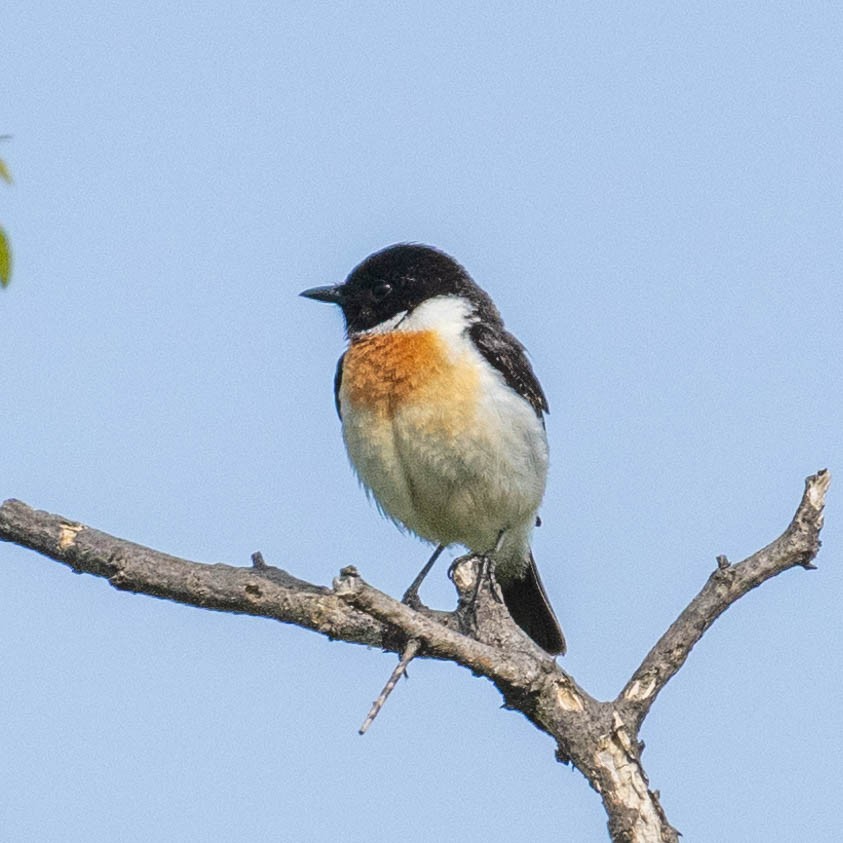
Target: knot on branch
{"type": "Point", "coordinates": [348, 582]}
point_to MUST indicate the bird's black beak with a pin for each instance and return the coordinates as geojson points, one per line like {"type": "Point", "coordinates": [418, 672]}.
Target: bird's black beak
{"type": "Point", "coordinates": [331, 295]}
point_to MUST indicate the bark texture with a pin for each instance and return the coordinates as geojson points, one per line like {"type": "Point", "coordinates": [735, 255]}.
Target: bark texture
{"type": "Point", "coordinates": [600, 738]}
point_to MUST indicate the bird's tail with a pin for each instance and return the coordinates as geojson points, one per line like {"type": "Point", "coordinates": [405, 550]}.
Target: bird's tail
{"type": "Point", "coordinates": [527, 602]}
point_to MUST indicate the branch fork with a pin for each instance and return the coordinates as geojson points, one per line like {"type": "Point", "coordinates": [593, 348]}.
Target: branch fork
{"type": "Point", "coordinates": [599, 738]}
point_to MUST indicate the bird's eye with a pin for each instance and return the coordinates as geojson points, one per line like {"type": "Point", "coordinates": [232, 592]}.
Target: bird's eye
{"type": "Point", "coordinates": [381, 290]}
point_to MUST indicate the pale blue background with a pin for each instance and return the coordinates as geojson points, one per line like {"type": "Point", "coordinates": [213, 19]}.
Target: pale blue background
{"type": "Point", "coordinates": [652, 194]}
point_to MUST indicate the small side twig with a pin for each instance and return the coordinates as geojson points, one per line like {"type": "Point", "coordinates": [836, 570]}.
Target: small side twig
{"type": "Point", "coordinates": [409, 653]}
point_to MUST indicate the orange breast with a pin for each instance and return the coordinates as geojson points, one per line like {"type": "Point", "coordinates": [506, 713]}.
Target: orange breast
{"type": "Point", "coordinates": [384, 372]}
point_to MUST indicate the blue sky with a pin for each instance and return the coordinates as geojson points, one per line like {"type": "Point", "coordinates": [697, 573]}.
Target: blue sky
{"type": "Point", "coordinates": [653, 194]}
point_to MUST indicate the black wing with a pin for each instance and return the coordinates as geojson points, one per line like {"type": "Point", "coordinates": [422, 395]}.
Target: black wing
{"type": "Point", "coordinates": [337, 385]}
{"type": "Point", "coordinates": [508, 356]}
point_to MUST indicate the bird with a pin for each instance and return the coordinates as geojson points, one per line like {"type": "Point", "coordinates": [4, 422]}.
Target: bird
{"type": "Point", "coordinates": [443, 418]}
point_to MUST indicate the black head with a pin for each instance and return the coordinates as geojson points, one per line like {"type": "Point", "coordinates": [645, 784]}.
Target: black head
{"type": "Point", "coordinates": [395, 280]}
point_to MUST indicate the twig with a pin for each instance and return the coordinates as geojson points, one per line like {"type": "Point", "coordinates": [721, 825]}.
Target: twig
{"type": "Point", "coordinates": [410, 652]}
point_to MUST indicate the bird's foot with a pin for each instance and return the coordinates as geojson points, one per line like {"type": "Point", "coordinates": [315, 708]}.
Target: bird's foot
{"type": "Point", "coordinates": [411, 598]}
{"type": "Point", "coordinates": [484, 573]}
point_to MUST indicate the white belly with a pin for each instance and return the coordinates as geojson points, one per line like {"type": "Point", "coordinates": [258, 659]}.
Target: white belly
{"type": "Point", "coordinates": [463, 470]}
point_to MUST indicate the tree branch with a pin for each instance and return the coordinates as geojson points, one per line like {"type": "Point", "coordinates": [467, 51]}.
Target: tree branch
{"type": "Point", "coordinates": [263, 591]}
{"type": "Point", "coordinates": [796, 546]}
{"type": "Point", "coordinates": [599, 738]}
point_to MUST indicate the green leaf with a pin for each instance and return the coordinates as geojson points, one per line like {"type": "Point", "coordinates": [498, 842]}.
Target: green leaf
{"type": "Point", "coordinates": [5, 259]}
{"type": "Point", "coordinates": [4, 172]}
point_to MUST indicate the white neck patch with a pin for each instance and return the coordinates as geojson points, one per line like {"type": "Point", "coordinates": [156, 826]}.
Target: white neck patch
{"type": "Point", "coordinates": [446, 314]}
{"type": "Point", "coordinates": [449, 315]}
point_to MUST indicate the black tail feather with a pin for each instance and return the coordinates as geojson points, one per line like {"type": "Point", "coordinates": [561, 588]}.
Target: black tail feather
{"type": "Point", "coordinates": [527, 602]}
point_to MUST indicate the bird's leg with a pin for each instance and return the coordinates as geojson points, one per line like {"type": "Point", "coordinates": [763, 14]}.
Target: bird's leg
{"type": "Point", "coordinates": [486, 570]}
{"type": "Point", "coordinates": [470, 598]}
{"type": "Point", "coordinates": [482, 574]}
{"type": "Point", "coordinates": [486, 560]}
{"type": "Point", "coordinates": [411, 595]}
{"type": "Point", "coordinates": [485, 573]}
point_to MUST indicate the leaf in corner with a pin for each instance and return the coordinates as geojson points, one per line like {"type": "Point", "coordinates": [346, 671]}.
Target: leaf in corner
{"type": "Point", "coordinates": [4, 172]}
{"type": "Point", "coordinates": [5, 259]}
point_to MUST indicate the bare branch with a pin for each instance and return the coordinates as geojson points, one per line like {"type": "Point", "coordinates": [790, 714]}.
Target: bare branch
{"type": "Point", "coordinates": [443, 641]}
{"type": "Point", "coordinates": [599, 738]}
{"type": "Point", "coordinates": [267, 592]}
{"type": "Point", "coordinates": [797, 546]}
